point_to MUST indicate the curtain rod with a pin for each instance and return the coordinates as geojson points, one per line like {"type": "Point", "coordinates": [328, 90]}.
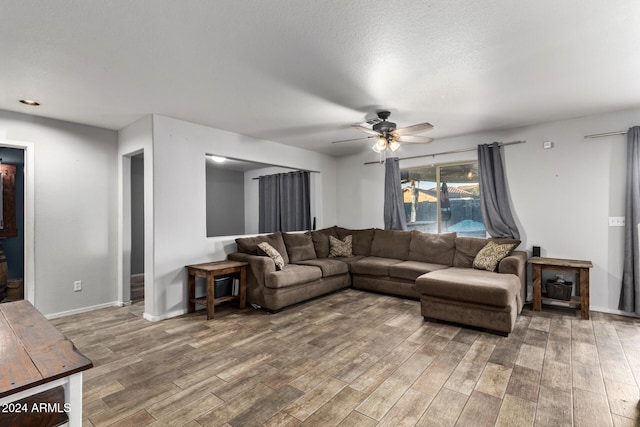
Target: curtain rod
{"type": "Point", "coordinates": [445, 152]}
{"type": "Point", "coordinates": [600, 135]}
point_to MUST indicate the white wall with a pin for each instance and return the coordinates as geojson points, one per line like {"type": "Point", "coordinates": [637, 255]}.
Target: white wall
{"type": "Point", "coordinates": [179, 150]}
{"type": "Point", "coordinates": [135, 139]}
{"type": "Point", "coordinates": [75, 210]}
{"type": "Point", "coordinates": [562, 197]}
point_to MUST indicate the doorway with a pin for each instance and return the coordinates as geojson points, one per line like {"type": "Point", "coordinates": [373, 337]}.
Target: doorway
{"type": "Point", "coordinates": [12, 225]}
{"type": "Point", "coordinates": [137, 228]}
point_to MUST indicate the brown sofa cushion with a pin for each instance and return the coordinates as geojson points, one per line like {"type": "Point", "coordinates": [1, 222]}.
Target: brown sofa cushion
{"type": "Point", "coordinates": [411, 270]}
{"type": "Point", "coordinates": [320, 240]}
{"type": "Point", "coordinates": [249, 245]}
{"type": "Point", "coordinates": [468, 247]}
{"type": "Point", "coordinates": [329, 267]}
{"type": "Point", "coordinates": [361, 241]}
{"type": "Point", "coordinates": [432, 248]}
{"type": "Point", "coordinates": [470, 285]}
{"type": "Point", "coordinates": [466, 250]}
{"type": "Point", "coordinates": [373, 266]}
{"type": "Point", "coordinates": [292, 275]}
{"type": "Point", "coordinates": [391, 244]}
{"type": "Point", "coordinates": [299, 246]}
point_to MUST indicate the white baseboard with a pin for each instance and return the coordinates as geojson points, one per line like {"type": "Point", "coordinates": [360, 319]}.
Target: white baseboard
{"type": "Point", "coordinates": [83, 310]}
{"type": "Point", "coordinates": [115, 304]}
{"type": "Point", "coordinates": [152, 318]}
{"type": "Point", "coordinates": [611, 311]}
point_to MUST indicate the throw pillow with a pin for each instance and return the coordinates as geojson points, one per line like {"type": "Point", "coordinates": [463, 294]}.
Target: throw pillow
{"type": "Point", "coordinates": [490, 256]}
{"type": "Point", "coordinates": [321, 241]}
{"type": "Point", "coordinates": [361, 239]}
{"type": "Point", "coordinates": [340, 248]}
{"type": "Point", "coordinates": [273, 254]}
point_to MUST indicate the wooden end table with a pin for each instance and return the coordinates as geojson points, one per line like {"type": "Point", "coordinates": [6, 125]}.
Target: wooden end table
{"type": "Point", "coordinates": [209, 270]}
{"type": "Point", "coordinates": [581, 268]}
{"type": "Point", "coordinates": [37, 358]}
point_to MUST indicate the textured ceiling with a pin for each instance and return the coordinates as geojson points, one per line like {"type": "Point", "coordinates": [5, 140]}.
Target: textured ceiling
{"type": "Point", "coordinates": [300, 72]}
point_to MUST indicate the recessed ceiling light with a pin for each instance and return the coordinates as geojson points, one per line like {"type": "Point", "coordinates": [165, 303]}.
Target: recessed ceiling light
{"type": "Point", "coordinates": [30, 102]}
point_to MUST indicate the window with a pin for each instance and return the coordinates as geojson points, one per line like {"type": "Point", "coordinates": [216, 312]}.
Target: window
{"type": "Point", "coordinates": [443, 198]}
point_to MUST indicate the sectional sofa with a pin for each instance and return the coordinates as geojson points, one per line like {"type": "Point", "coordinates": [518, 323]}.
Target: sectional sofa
{"type": "Point", "coordinates": [443, 271]}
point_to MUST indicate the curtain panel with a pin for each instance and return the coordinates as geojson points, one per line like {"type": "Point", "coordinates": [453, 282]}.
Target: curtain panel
{"type": "Point", "coordinates": [284, 202]}
{"type": "Point", "coordinates": [630, 292]}
{"type": "Point", "coordinates": [494, 196]}
{"type": "Point", "coordinates": [394, 215]}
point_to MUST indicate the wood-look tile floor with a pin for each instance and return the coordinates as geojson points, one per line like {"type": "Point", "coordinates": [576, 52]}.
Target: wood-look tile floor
{"type": "Point", "coordinates": [355, 359]}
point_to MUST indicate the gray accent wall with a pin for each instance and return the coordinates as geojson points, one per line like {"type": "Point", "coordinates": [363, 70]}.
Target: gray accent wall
{"type": "Point", "coordinates": [225, 201]}
{"type": "Point", "coordinates": [137, 214]}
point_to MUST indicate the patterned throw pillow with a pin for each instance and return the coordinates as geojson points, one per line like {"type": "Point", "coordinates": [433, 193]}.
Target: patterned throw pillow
{"type": "Point", "coordinates": [490, 256]}
{"type": "Point", "coordinates": [340, 248]}
{"type": "Point", "coordinates": [273, 254]}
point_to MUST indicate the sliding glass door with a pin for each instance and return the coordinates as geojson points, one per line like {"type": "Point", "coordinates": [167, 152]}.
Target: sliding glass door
{"type": "Point", "coordinates": [443, 198]}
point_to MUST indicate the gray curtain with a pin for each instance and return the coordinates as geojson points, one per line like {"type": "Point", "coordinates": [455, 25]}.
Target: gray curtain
{"type": "Point", "coordinates": [494, 197]}
{"type": "Point", "coordinates": [268, 203]}
{"type": "Point", "coordinates": [394, 215]}
{"type": "Point", "coordinates": [284, 202]}
{"type": "Point", "coordinates": [630, 292]}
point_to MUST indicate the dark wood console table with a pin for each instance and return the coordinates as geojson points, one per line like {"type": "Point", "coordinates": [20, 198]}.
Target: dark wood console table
{"type": "Point", "coordinates": [37, 358]}
{"type": "Point", "coordinates": [581, 268]}
{"type": "Point", "coordinates": [209, 270]}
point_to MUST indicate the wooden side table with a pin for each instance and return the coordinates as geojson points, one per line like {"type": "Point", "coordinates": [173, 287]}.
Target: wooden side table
{"type": "Point", "coordinates": [37, 359]}
{"type": "Point", "coordinates": [209, 270]}
{"type": "Point", "coordinates": [581, 268]}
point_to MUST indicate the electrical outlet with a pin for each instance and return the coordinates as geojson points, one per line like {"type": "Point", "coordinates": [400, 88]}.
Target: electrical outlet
{"type": "Point", "coordinates": [77, 285]}
{"type": "Point", "coordinates": [616, 221]}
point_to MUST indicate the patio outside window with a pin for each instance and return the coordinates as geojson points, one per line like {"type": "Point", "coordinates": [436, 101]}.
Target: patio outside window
{"type": "Point", "coordinates": [443, 198]}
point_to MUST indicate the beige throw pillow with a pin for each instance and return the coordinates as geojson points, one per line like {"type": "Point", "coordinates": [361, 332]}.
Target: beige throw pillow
{"type": "Point", "coordinates": [340, 248]}
{"type": "Point", "coordinates": [490, 256]}
{"type": "Point", "coordinates": [273, 254]}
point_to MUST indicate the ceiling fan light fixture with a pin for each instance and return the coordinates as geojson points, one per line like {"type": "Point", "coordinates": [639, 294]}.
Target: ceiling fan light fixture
{"type": "Point", "coordinates": [376, 148]}
{"type": "Point", "coordinates": [381, 143]}
{"type": "Point", "coordinates": [394, 145]}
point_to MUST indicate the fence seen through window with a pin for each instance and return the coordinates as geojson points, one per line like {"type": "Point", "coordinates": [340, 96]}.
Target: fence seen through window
{"type": "Point", "coordinates": [443, 198]}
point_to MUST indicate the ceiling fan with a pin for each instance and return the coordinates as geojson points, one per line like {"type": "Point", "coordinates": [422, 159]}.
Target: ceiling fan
{"type": "Point", "coordinates": [388, 136]}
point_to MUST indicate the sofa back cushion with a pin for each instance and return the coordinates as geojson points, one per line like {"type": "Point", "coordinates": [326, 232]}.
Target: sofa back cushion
{"type": "Point", "coordinates": [391, 244]}
{"type": "Point", "coordinates": [249, 245]}
{"type": "Point", "coordinates": [361, 239]}
{"type": "Point", "coordinates": [468, 247]}
{"type": "Point", "coordinates": [320, 240]}
{"type": "Point", "coordinates": [299, 246]}
{"type": "Point", "coordinates": [466, 250]}
{"type": "Point", "coordinates": [432, 248]}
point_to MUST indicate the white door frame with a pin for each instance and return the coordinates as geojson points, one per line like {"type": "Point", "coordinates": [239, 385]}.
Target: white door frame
{"type": "Point", "coordinates": [29, 216]}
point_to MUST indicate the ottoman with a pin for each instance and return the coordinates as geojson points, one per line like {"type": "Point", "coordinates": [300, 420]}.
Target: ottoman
{"type": "Point", "coordinates": [471, 297]}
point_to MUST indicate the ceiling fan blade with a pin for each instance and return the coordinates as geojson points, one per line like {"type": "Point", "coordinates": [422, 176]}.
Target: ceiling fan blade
{"type": "Point", "coordinates": [353, 140]}
{"type": "Point", "coordinates": [420, 127]}
{"type": "Point", "coordinates": [414, 139]}
{"type": "Point", "coordinates": [366, 130]}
